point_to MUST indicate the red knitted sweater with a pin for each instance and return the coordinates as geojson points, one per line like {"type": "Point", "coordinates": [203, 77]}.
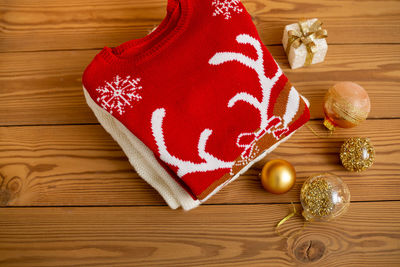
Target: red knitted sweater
{"type": "Point", "coordinates": [201, 92]}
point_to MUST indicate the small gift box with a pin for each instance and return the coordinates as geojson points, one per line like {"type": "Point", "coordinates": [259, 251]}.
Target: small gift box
{"type": "Point", "coordinates": [305, 43]}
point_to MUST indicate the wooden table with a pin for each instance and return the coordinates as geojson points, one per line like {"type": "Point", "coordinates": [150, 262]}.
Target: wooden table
{"type": "Point", "coordinates": [69, 197]}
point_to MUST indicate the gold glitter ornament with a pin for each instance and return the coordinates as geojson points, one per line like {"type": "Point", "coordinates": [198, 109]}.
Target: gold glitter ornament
{"type": "Point", "coordinates": [346, 104]}
{"type": "Point", "coordinates": [357, 154]}
{"type": "Point", "coordinates": [324, 197]}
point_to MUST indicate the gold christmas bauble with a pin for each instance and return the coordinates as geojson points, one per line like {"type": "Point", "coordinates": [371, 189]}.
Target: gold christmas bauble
{"type": "Point", "coordinates": [357, 154]}
{"type": "Point", "coordinates": [324, 197]}
{"type": "Point", "coordinates": [278, 176]}
{"type": "Point", "coordinates": [346, 104]}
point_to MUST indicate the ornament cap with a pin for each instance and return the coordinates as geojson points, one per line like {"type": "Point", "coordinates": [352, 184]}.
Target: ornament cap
{"type": "Point", "coordinates": [328, 124]}
{"type": "Point", "coordinates": [307, 216]}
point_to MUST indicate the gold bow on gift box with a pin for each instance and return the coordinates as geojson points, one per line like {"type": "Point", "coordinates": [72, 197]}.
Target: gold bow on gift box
{"type": "Point", "coordinates": [306, 36]}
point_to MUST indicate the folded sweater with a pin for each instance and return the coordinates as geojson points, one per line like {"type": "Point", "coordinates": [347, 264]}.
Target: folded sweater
{"type": "Point", "coordinates": [196, 102]}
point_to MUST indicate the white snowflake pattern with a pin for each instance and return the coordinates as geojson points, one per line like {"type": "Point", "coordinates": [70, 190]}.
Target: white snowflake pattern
{"type": "Point", "coordinates": [119, 93]}
{"type": "Point", "coordinates": [226, 8]}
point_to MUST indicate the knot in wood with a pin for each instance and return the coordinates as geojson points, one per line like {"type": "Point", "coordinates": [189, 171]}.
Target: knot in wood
{"type": "Point", "coordinates": [5, 197]}
{"type": "Point", "coordinates": [10, 190]}
{"type": "Point", "coordinates": [309, 251]}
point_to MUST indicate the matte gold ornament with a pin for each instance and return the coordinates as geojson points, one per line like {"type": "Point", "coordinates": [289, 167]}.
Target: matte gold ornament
{"type": "Point", "coordinates": [357, 154]}
{"type": "Point", "coordinates": [346, 104]}
{"type": "Point", "coordinates": [278, 176]}
{"type": "Point", "coordinates": [324, 197]}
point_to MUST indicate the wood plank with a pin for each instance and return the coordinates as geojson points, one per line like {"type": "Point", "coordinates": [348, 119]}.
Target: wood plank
{"type": "Point", "coordinates": [347, 22]}
{"type": "Point", "coordinates": [53, 25]}
{"type": "Point", "coordinates": [368, 235]}
{"type": "Point", "coordinates": [82, 165]}
{"type": "Point", "coordinates": [45, 87]}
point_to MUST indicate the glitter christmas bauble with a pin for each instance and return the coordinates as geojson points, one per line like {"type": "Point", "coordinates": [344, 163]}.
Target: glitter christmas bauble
{"type": "Point", "coordinates": [278, 176]}
{"type": "Point", "coordinates": [346, 104]}
{"type": "Point", "coordinates": [324, 197]}
{"type": "Point", "coordinates": [357, 154]}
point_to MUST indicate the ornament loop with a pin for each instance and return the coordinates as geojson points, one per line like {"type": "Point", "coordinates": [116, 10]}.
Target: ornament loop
{"type": "Point", "coordinates": [317, 134]}
{"type": "Point", "coordinates": [290, 215]}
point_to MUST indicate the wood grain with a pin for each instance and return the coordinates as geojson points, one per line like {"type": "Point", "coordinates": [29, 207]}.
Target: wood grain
{"type": "Point", "coordinates": [82, 165]}
{"type": "Point", "coordinates": [45, 87]}
{"type": "Point", "coordinates": [367, 235]}
{"type": "Point", "coordinates": [69, 197]}
{"type": "Point", "coordinates": [55, 25]}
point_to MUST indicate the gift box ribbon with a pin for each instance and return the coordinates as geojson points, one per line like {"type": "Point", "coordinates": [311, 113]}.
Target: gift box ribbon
{"type": "Point", "coordinates": [306, 36]}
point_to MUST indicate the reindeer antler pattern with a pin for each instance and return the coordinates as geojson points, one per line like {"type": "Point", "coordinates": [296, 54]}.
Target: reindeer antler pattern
{"type": "Point", "coordinates": [258, 66]}
{"type": "Point", "coordinates": [266, 84]}
{"type": "Point", "coordinates": [184, 166]}
{"type": "Point", "coordinates": [267, 124]}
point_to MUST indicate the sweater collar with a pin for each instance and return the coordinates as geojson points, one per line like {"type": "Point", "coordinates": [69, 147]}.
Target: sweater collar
{"type": "Point", "coordinates": [184, 7]}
